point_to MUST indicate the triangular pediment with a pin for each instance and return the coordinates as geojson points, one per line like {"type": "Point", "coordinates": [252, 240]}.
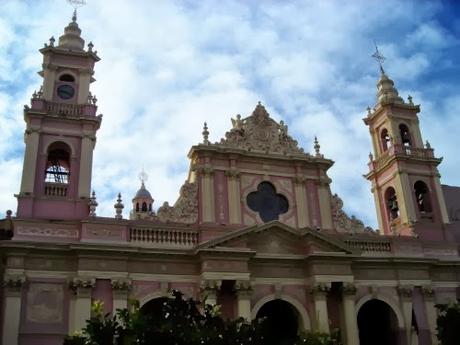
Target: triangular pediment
{"type": "Point", "coordinates": [278, 239]}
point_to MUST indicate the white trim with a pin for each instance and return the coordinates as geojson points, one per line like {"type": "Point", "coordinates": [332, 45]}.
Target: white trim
{"type": "Point", "coordinates": [153, 295]}
{"type": "Point", "coordinates": [172, 278]}
{"type": "Point", "coordinates": [303, 314]}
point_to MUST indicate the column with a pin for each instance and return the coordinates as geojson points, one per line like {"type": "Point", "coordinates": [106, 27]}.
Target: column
{"type": "Point", "coordinates": [243, 293]}
{"type": "Point", "coordinates": [86, 163]}
{"type": "Point", "coordinates": [351, 335]}
{"type": "Point", "coordinates": [12, 292]}
{"type": "Point", "coordinates": [319, 293]}
{"type": "Point", "coordinates": [303, 216]}
{"type": "Point", "coordinates": [120, 290]}
{"type": "Point", "coordinates": [31, 139]}
{"type": "Point", "coordinates": [431, 313]}
{"type": "Point", "coordinates": [234, 204]}
{"type": "Point", "coordinates": [209, 289]}
{"type": "Point", "coordinates": [207, 194]}
{"type": "Point", "coordinates": [324, 196]}
{"type": "Point", "coordinates": [81, 304]}
{"type": "Point", "coordinates": [405, 296]}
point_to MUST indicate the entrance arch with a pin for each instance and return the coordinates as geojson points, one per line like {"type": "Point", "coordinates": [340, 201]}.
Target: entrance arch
{"type": "Point", "coordinates": [154, 307]}
{"type": "Point", "coordinates": [378, 324]}
{"type": "Point", "coordinates": [282, 322]}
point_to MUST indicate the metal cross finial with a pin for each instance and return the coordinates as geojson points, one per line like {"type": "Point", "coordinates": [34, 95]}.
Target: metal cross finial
{"type": "Point", "coordinates": [143, 176]}
{"type": "Point", "coordinates": [379, 58]}
{"type": "Point", "coordinates": [76, 4]}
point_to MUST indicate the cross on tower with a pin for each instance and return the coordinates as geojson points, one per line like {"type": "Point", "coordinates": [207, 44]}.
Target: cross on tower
{"type": "Point", "coordinates": [379, 58]}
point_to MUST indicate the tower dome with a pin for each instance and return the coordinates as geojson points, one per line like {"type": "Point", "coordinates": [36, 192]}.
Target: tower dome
{"type": "Point", "coordinates": [142, 201]}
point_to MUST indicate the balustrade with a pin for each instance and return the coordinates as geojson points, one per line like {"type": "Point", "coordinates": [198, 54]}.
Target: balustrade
{"type": "Point", "coordinates": [164, 237]}
{"type": "Point", "coordinates": [370, 246]}
{"type": "Point", "coordinates": [55, 189]}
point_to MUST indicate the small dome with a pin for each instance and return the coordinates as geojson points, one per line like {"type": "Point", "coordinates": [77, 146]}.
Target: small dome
{"type": "Point", "coordinates": [143, 193]}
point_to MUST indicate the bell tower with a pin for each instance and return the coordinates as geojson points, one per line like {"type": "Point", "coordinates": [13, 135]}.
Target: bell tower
{"type": "Point", "coordinates": [403, 171]}
{"type": "Point", "coordinates": [60, 135]}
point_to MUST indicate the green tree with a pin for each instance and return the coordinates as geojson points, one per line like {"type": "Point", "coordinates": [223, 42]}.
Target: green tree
{"type": "Point", "coordinates": [448, 323]}
{"type": "Point", "coordinates": [180, 322]}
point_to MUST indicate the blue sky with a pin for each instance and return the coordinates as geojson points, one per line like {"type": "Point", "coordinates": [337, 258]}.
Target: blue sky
{"type": "Point", "coordinates": [168, 66]}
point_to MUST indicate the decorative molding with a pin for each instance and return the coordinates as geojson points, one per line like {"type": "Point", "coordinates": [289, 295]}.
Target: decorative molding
{"type": "Point", "coordinates": [405, 291]}
{"type": "Point", "coordinates": [185, 210]}
{"type": "Point", "coordinates": [121, 284]}
{"type": "Point", "coordinates": [344, 223]}
{"type": "Point", "coordinates": [320, 289]}
{"type": "Point", "coordinates": [427, 291]}
{"type": "Point", "coordinates": [82, 286]}
{"type": "Point", "coordinates": [46, 232]}
{"type": "Point", "coordinates": [14, 282]}
{"type": "Point", "coordinates": [210, 285]}
{"type": "Point", "coordinates": [259, 132]}
{"type": "Point", "coordinates": [349, 289]}
{"type": "Point", "coordinates": [232, 173]}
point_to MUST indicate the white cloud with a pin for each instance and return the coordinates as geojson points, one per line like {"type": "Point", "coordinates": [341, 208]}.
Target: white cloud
{"type": "Point", "coordinates": [169, 66]}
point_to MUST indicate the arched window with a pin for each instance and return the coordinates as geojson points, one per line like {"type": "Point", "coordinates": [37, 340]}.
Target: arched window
{"type": "Point", "coordinates": [405, 135]}
{"type": "Point", "coordinates": [385, 139]}
{"type": "Point", "coordinates": [150, 207]}
{"type": "Point", "coordinates": [392, 203]}
{"type": "Point", "coordinates": [58, 163]}
{"type": "Point", "coordinates": [137, 207]}
{"type": "Point", "coordinates": [422, 195]}
{"type": "Point", "coordinates": [67, 77]}
{"type": "Point", "coordinates": [144, 207]}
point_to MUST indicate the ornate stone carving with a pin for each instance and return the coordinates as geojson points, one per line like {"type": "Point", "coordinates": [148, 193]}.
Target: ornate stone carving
{"type": "Point", "coordinates": [232, 173]}
{"type": "Point", "coordinates": [121, 284]}
{"type": "Point", "coordinates": [405, 291]}
{"type": "Point", "coordinates": [320, 289]}
{"type": "Point", "coordinates": [82, 286]}
{"type": "Point", "coordinates": [344, 223]}
{"type": "Point", "coordinates": [259, 132]}
{"type": "Point", "coordinates": [14, 281]}
{"type": "Point", "coordinates": [185, 210]}
{"type": "Point", "coordinates": [210, 285]}
{"type": "Point", "coordinates": [427, 291]}
{"type": "Point", "coordinates": [46, 232]}
{"type": "Point", "coordinates": [348, 289]}
{"type": "Point", "coordinates": [243, 288]}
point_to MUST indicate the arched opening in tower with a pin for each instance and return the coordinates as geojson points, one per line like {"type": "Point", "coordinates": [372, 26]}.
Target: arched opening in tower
{"type": "Point", "coordinates": [422, 195]}
{"type": "Point", "coordinates": [377, 324]}
{"type": "Point", "coordinates": [282, 322]}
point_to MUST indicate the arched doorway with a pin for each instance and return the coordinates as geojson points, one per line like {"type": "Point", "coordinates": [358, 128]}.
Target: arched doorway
{"type": "Point", "coordinates": [282, 322]}
{"type": "Point", "coordinates": [377, 323]}
{"type": "Point", "coordinates": [153, 309]}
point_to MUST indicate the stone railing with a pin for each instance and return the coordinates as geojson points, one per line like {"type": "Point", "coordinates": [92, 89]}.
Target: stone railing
{"type": "Point", "coordinates": [55, 189]}
{"type": "Point", "coordinates": [369, 246]}
{"type": "Point", "coordinates": [67, 109]}
{"type": "Point", "coordinates": [401, 150]}
{"type": "Point", "coordinates": [163, 237]}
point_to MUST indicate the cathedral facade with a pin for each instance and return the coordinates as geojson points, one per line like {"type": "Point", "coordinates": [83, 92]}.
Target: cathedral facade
{"type": "Point", "coordinates": [255, 228]}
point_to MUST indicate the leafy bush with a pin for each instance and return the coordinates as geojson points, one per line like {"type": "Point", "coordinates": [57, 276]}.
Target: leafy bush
{"type": "Point", "coordinates": [181, 322]}
{"type": "Point", "coordinates": [448, 323]}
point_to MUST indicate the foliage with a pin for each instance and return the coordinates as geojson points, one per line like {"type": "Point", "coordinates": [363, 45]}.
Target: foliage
{"type": "Point", "coordinates": [181, 322]}
{"type": "Point", "coordinates": [448, 323]}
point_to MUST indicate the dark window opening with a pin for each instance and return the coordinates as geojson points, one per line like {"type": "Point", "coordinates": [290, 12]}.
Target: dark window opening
{"type": "Point", "coordinates": [385, 138]}
{"type": "Point", "coordinates": [422, 196]}
{"type": "Point", "coordinates": [144, 207]}
{"type": "Point", "coordinates": [267, 202]}
{"type": "Point", "coordinates": [392, 203]}
{"type": "Point", "coordinates": [67, 77]}
{"type": "Point", "coordinates": [58, 164]}
{"type": "Point", "coordinates": [405, 135]}
{"type": "Point", "coordinates": [150, 207]}
{"type": "Point", "coordinates": [137, 207]}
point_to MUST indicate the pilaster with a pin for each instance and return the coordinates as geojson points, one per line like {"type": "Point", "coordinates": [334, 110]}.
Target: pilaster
{"type": "Point", "coordinates": [31, 139]}
{"type": "Point", "coordinates": [405, 295]}
{"type": "Point", "coordinates": [209, 289]}
{"type": "Point", "coordinates": [324, 196]}
{"type": "Point", "coordinates": [207, 194]}
{"type": "Point", "coordinates": [234, 205]}
{"type": "Point", "coordinates": [120, 290]}
{"type": "Point", "coordinates": [80, 306]}
{"type": "Point", "coordinates": [303, 217]}
{"type": "Point", "coordinates": [319, 293]}
{"type": "Point", "coordinates": [431, 313]}
{"type": "Point", "coordinates": [12, 285]}
{"type": "Point", "coordinates": [243, 292]}
{"type": "Point", "coordinates": [86, 162]}
{"type": "Point", "coordinates": [351, 335]}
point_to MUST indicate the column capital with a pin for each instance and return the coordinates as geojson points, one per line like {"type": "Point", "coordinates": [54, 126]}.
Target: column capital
{"type": "Point", "coordinates": [244, 288]}
{"type": "Point", "coordinates": [427, 291]}
{"type": "Point", "coordinates": [204, 170]}
{"type": "Point", "coordinates": [232, 173]}
{"type": "Point", "coordinates": [405, 291]}
{"type": "Point", "coordinates": [300, 179]}
{"type": "Point", "coordinates": [82, 287]}
{"type": "Point", "coordinates": [121, 287]}
{"type": "Point", "coordinates": [320, 290]}
{"type": "Point", "coordinates": [349, 289]}
{"type": "Point", "coordinates": [13, 284]}
{"type": "Point", "coordinates": [210, 285]}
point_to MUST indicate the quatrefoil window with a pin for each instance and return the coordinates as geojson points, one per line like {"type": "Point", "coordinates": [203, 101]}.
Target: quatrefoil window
{"type": "Point", "coordinates": [269, 204]}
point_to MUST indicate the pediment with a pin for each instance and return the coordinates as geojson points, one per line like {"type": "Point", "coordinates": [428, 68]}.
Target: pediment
{"type": "Point", "coordinates": [277, 239]}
